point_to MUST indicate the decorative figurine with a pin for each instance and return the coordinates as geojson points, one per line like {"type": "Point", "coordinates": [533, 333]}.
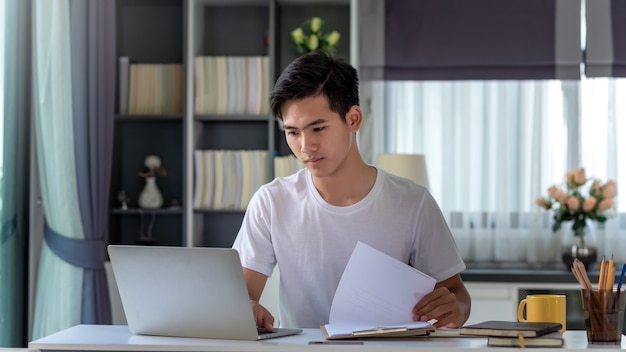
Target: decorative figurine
{"type": "Point", "coordinates": [150, 197]}
{"type": "Point", "coordinates": [124, 199]}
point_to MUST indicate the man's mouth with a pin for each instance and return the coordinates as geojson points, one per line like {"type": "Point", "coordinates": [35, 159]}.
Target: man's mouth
{"type": "Point", "coordinates": [312, 160]}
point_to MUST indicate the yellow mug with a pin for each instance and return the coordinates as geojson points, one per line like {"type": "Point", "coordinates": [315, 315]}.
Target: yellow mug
{"type": "Point", "coordinates": [543, 308]}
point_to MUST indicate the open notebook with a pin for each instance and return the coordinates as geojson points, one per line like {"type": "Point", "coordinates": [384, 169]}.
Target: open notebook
{"type": "Point", "coordinates": [186, 292]}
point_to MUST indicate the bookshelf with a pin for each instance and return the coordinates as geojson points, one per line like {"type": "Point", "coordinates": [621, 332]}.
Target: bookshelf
{"type": "Point", "coordinates": [181, 32]}
{"type": "Point", "coordinates": [148, 32]}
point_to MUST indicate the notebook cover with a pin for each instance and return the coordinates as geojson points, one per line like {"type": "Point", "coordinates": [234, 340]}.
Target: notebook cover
{"type": "Point", "coordinates": [510, 328]}
{"type": "Point", "coordinates": [554, 339]}
{"type": "Point", "coordinates": [396, 332]}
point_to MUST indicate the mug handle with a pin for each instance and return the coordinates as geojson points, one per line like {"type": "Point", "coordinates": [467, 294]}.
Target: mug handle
{"type": "Point", "coordinates": [520, 311]}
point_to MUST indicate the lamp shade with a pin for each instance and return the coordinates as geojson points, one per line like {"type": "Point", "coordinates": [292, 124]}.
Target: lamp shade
{"type": "Point", "coordinates": [411, 166]}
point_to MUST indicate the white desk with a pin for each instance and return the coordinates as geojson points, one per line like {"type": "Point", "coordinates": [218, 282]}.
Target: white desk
{"type": "Point", "coordinates": [119, 338]}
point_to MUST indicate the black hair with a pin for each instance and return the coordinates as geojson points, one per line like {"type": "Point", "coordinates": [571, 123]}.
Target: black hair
{"type": "Point", "coordinates": [317, 73]}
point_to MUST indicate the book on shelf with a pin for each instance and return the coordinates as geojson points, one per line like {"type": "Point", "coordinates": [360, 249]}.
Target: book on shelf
{"type": "Point", "coordinates": [227, 179]}
{"type": "Point", "coordinates": [553, 339]}
{"type": "Point", "coordinates": [209, 179]}
{"type": "Point", "coordinates": [255, 86]}
{"type": "Point", "coordinates": [199, 191]}
{"type": "Point", "coordinates": [247, 189]}
{"type": "Point", "coordinates": [155, 89]}
{"type": "Point", "coordinates": [230, 180]}
{"type": "Point", "coordinates": [231, 85]}
{"type": "Point", "coordinates": [205, 88]}
{"type": "Point", "coordinates": [221, 86]}
{"type": "Point", "coordinates": [218, 175]}
{"type": "Point", "coordinates": [265, 86]}
{"type": "Point", "coordinates": [123, 67]}
{"type": "Point", "coordinates": [238, 180]}
{"type": "Point", "coordinates": [498, 328]}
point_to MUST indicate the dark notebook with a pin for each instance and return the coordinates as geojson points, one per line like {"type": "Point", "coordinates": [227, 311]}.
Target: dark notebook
{"type": "Point", "coordinates": [510, 328]}
{"type": "Point", "coordinates": [553, 339]}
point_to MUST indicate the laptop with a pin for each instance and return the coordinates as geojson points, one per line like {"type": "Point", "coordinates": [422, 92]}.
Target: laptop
{"type": "Point", "coordinates": [195, 292]}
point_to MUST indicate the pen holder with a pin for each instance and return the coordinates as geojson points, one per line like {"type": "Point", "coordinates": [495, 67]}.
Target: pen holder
{"type": "Point", "coordinates": [604, 315]}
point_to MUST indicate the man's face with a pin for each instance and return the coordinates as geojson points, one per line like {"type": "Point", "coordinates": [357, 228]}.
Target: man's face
{"type": "Point", "coordinates": [318, 136]}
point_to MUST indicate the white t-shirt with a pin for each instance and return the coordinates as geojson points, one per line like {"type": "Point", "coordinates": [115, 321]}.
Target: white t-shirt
{"type": "Point", "coordinates": [288, 223]}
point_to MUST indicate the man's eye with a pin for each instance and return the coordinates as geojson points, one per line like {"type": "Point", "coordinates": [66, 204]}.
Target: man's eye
{"type": "Point", "coordinates": [319, 129]}
{"type": "Point", "coordinates": [291, 133]}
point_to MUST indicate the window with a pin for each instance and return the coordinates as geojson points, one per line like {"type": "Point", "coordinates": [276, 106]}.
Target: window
{"type": "Point", "coordinates": [491, 147]}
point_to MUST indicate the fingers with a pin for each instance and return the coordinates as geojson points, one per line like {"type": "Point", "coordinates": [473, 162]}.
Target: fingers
{"type": "Point", "coordinates": [262, 316]}
{"type": "Point", "coordinates": [440, 305]}
{"type": "Point", "coordinates": [269, 325]}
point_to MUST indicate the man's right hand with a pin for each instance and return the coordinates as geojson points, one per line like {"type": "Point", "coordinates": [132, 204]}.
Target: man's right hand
{"type": "Point", "coordinates": [262, 316]}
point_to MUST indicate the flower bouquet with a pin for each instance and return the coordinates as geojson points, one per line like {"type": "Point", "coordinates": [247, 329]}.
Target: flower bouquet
{"type": "Point", "coordinates": [309, 37]}
{"type": "Point", "coordinates": [574, 204]}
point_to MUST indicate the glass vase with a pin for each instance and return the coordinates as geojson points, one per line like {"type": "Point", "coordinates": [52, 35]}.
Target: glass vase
{"type": "Point", "coordinates": [579, 245]}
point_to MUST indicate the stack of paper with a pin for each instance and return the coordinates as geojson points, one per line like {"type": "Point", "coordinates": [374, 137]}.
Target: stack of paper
{"type": "Point", "coordinates": [376, 296]}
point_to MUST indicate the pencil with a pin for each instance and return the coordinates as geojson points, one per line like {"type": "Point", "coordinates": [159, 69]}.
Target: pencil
{"type": "Point", "coordinates": [610, 277]}
{"type": "Point", "coordinates": [621, 277]}
{"type": "Point", "coordinates": [601, 278]}
{"type": "Point", "coordinates": [619, 284]}
{"type": "Point", "coordinates": [581, 274]}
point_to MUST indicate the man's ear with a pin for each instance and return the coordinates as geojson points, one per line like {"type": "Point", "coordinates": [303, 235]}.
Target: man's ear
{"type": "Point", "coordinates": [354, 118]}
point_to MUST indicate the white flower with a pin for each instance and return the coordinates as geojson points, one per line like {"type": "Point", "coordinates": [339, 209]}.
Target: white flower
{"type": "Point", "coordinates": [309, 37]}
{"type": "Point", "coordinates": [333, 38]}
{"type": "Point", "coordinates": [316, 24]}
{"type": "Point", "coordinates": [313, 42]}
{"type": "Point", "coordinates": [298, 36]}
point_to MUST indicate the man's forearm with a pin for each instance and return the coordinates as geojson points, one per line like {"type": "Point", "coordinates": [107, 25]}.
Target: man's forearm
{"type": "Point", "coordinates": [463, 300]}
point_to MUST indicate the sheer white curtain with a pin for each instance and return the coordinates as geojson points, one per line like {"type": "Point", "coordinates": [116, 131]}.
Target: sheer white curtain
{"type": "Point", "coordinates": [59, 284]}
{"type": "Point", "coordinates": [491, 147]}
{"type": "Point", "coordinates": [603, 127]}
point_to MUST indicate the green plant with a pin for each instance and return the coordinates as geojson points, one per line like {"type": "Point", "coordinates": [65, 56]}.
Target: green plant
{"type": "Point", "coordinates": [570, 204]}
{"type": "Point", "coordinates": [309, 36]}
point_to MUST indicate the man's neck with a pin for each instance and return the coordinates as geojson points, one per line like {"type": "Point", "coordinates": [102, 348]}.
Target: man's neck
{"type": "Point", "coordinates": [348, 185]}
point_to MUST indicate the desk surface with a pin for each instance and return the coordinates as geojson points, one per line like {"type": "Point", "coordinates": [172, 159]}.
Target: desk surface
{"type": "Point", "coordinates": [119, 338]}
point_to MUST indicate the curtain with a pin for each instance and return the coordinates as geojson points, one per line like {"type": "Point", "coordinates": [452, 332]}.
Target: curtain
{"type": "Point", "coordinates": [93, 89]}
{"type": "Point", "coordinates": [13, 208]}
{"type": "Point", "coordinates": [491, 147]}
{"type": "Point", "coordinates": [73, 104]}
{"type": "Point", "coordinates": [602, 127]}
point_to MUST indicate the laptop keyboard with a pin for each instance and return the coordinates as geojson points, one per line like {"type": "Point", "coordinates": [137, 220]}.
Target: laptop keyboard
{"type": "Point", "coordinates": [261, 330]}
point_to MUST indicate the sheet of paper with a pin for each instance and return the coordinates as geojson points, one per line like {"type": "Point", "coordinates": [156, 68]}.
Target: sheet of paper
{"type": "Point", "coordinates": [377, 290]}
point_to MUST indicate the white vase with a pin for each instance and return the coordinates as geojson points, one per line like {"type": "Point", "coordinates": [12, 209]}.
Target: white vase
{"type": "Point", "coordinates": [150, 197]}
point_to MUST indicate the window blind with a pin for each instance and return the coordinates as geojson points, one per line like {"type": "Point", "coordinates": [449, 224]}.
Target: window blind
{"type": "Point", "coordinates": [469, 39]}
{"type": "Point", "coordinates": [605, 54]}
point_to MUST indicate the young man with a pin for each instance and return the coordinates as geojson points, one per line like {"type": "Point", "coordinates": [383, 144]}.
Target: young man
{"type": "Point", "coordinates": [309, 223]}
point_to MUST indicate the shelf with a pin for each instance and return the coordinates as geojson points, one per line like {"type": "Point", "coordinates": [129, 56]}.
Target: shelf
{"type": "Point", "coordinates": [233, 118]}
{"type": "Point", "coordinates": [138, 211]}
{"type": "Point", "coordinates": [179, 31]}
{"type": "Point", "coordinates": [219, 211]}
{"type": "Point", "coordinates": [147, 118]}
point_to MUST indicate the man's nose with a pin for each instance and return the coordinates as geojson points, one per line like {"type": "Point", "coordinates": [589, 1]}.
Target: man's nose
{"type": "Point", "coordinates": [308, 143]}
